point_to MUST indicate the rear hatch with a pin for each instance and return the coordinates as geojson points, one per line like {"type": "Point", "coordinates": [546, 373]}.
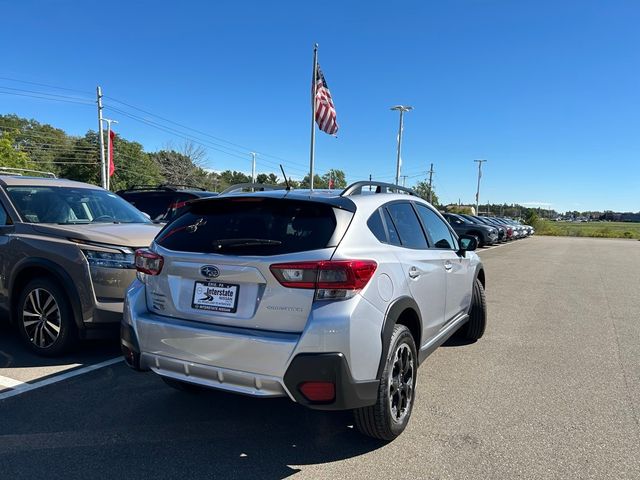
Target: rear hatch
{"type": "Point", "coordinates": [217, 259]}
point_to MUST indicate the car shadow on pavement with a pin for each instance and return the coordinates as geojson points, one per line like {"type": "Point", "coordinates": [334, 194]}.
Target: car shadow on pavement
{"type": "Point", "coordinates": [458, 341]}
{"type": "Point", "coordinates": [13, 353]}
{"type": "Point", "coordinates": [115, 423]}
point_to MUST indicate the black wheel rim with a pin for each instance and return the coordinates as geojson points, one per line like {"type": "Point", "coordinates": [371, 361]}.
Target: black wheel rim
{"type": "Point", "coordinates": [401, 383]}
{"type": "Point", "coordinates": [41, 318]}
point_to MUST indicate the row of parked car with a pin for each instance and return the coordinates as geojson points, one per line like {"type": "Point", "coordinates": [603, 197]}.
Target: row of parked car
{"type": "Point", "coordinates": [488, 230]}
{"type": "Point", "coordinates": [331, 298]}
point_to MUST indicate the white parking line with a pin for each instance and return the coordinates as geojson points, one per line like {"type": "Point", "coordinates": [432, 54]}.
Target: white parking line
{"type": "Point", "coordinates": [21, 387]}
{"type": "Point", "coordinates": [9, 382]}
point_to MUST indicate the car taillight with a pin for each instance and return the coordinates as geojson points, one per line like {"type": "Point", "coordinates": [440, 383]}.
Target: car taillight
{"type": "Point", "coordinates": [331, 279]}
{"type": "Point", "coordinates": [148, 262]}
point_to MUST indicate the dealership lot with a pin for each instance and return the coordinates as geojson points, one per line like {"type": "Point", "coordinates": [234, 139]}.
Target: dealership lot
{"type": "Point", "coordinates": [551, 391]}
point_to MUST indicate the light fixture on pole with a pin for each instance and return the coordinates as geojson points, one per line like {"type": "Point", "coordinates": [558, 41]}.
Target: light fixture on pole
{"type": "Point", "coordinates": [106, 163]}
{"type": "Point", "coordinates": [401, 109]}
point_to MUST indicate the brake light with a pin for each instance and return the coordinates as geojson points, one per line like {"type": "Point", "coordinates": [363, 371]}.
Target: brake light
{"type": "Point", "coordinates": [330, 279]}
{"type": "Point", "coordinates": [148, 262]}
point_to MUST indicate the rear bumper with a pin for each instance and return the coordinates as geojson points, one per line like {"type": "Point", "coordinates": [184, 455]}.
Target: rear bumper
{"type": "Point", "coordinates": [253, 362]}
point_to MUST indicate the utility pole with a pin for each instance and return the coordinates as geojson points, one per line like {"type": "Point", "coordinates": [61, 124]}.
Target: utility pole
{"type": "Point", "coordinates": [401, 109]}
{"type": "Point", "coordinates": [253, 166]}
{"type": "Point", "coordinates": [369, 182]}
{"type": "Point", "coordinates": [431, 184]}
{"type": "Point", "coordinates": [109, 153]}
{"type": "Point", "coordinates": [480, 162]}
{"type": "Point", "coordinates": [103, 169]}
{"type": "Point", "coordinates": [404, 180]}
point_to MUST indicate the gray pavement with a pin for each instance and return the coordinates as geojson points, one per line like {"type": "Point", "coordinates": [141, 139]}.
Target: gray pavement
{"type": "Point", "coordinates": [551, 391]}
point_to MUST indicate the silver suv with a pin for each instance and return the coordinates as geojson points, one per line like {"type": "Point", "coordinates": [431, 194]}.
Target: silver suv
{"type": "Point", "coordinates": [332, 300]}
{"type": "Point", "coordinates": [66, 259]}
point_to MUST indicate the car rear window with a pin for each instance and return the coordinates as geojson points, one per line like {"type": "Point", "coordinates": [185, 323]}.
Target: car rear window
{"type": "Point", "coordinates": [251, 226]}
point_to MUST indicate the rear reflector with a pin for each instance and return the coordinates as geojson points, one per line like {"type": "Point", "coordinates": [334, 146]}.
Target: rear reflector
{"type": "Point", "coordinates": [318, 391]}
{"type": "Point", "coordinates": [148, 262]}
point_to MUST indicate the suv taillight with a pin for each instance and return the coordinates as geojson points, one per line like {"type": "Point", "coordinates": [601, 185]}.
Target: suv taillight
{"type": "Point", "coordinates": [330, 279]}
{"type": "Point", "coordinates": [148, 262]}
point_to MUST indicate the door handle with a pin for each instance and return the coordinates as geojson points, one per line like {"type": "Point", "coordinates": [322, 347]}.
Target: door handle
{"type": "Point", "coordinates": [414, 272]}
{"type": "Point", "coordinates": [448, 266]}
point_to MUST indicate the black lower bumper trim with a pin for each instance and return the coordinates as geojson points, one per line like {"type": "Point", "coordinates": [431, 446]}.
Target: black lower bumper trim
{"type": "Point", "coordinates": [129, 346]}
{"type": "Point", "coordinates": [329, 367]}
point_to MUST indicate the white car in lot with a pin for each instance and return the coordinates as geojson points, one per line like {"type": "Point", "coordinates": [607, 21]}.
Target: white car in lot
{"type": "Point", "coordinates": [330, 299]}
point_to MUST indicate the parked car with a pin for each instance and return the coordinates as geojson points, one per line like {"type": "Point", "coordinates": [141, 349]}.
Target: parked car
{"type": "Point", "coordinates": [502, 230]}
{"type": "Point", "coordinates": [66, 256]}
{"type": "Point", "coordinates": [332, 300]}
{"type": "Point", "coordinates": [162, 203]}
{"type": "Point", "coordinates": [484, 234]}
{"type": "Point", "coordinates": [494, 222]}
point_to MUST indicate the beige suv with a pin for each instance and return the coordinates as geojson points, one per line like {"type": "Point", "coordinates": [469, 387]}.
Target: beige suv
{"type": "Point", "coordinates": [66, 258]}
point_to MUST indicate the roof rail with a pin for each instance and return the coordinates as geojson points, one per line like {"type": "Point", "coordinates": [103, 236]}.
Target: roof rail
{"type": "Point", "coordinates": [381, 187]}
{"type": "Point", "coordinates": [258, 187]}
{"type": "Point", "coordinates": [182, 185]}
{"type": "Point", "coordinates": [20, 171]}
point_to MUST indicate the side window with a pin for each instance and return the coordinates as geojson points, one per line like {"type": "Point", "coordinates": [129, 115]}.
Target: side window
{"type": "Point", "coordinates": [436, 228]}
{"type": "Point", "coordinates": [394, 238]}
{"type": "Point", "coordinates": [4, 218]}
{"type": "Point", "coordinates": [408, 225]}
{"type": "Point", "coordinates": [377, 227]}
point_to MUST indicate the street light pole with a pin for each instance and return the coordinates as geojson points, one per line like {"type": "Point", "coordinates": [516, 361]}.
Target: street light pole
{"type": "Point", "coordinates": [401, 109]}
{"type": "Point", "coordinates": [253, 167]}
{"type": "Point", "coordinates": [480, 162]}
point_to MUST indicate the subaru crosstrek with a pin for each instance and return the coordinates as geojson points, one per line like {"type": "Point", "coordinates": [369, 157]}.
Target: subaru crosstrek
{"type": "Point", "coordinates": [332, 300]}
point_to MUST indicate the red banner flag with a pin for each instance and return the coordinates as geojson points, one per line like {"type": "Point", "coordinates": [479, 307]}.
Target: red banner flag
{"type": "Point", "coordinates": [112, 167]}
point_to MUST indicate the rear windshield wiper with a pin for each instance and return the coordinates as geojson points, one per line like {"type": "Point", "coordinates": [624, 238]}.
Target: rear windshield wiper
{"type": "Point", "coordinates": [244, 242]}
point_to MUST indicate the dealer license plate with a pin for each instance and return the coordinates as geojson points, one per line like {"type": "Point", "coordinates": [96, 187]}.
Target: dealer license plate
{"type": "Point", "coordinates": [215, 297]}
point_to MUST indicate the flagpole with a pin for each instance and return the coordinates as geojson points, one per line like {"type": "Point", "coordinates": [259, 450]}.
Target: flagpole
{"type": "Point", "coordinates": [312, 153]}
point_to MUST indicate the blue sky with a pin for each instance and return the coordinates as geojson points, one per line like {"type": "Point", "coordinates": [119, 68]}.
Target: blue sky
{"type": "Point", "coordinates": [548, 92]}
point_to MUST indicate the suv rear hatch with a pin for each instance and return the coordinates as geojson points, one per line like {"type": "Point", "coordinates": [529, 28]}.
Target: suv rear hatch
{"type": "Point", "coordinates": [216, 260]}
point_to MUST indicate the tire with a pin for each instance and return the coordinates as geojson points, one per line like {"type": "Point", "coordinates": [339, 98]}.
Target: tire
{"type": "Point", "coordinates": [384, 420]}
{"type": "Point", "coordinates": [479, 241]}
{"type": "Point", "coordinates": [475, 326]}
{"type": "Point", "coordinates": [45, 319]}
{"type": "Point", "coordinates": [180, 385]}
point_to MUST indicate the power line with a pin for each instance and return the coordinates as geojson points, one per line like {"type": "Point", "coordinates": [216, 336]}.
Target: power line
{"type": "Point", "coordinates": [46, 93]}
{"type": "Point", "coordinates": [43, 98]}
{"type": "Point", "coordinates": [44, 85]}
{"type": "Point", "coordinates": [245, 149]}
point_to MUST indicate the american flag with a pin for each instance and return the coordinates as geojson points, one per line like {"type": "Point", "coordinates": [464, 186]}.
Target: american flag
{"type": "Point", "coordinates": [325, 110]}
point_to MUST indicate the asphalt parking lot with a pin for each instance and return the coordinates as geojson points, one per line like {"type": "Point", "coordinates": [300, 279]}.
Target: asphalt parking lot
{"type": "Point", "coordinates": [551, 391]}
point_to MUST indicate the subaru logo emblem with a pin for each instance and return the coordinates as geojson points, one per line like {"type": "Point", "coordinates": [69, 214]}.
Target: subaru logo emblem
{"type": "Point", "coordinates": [209, 271]}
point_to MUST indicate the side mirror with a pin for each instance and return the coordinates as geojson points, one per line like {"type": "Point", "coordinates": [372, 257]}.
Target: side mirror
{"type": "Point", "coordinates": [467, 243]}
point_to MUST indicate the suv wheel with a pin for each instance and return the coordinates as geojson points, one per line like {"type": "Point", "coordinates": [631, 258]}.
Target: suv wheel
{"type": "Point", "coordinates": [390, 415]}
{"type": "Point", "coordinates": [475, 326]}
{"type": "Point", "coordinates": [45, 319]}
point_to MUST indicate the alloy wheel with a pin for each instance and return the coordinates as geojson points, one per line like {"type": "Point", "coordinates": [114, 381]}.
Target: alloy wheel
{"type": "Point", "coordinates": [401, 383]}
{"type": "Point", "coordinates": [41, 318]}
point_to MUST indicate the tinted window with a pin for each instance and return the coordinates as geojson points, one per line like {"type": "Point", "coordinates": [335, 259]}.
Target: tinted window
{"type": "Point", "coordinates": [394, 238]}
{"type": "Point", "coordinates": [250, 226]}
{"type": "Point", "coordinates": [438, 231]}
{"type": "Point", "coordinates": [408, 225]}
{"type": "Point", "coordinates": [70, 205]}
{"type": "Point", "coordinates": [155, 204]}
{"type": "Point", "coordinates": [3, 216]}
{"type": "Point", "coordinates": [377, 227]}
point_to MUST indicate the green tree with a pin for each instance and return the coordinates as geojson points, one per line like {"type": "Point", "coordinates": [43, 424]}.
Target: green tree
{"type": "Point", "coordinates": [422, 189]}
{"type": "Point", "coordinates": [12, 157]}
{"type": "Point", "coordinates": [339, 180]}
